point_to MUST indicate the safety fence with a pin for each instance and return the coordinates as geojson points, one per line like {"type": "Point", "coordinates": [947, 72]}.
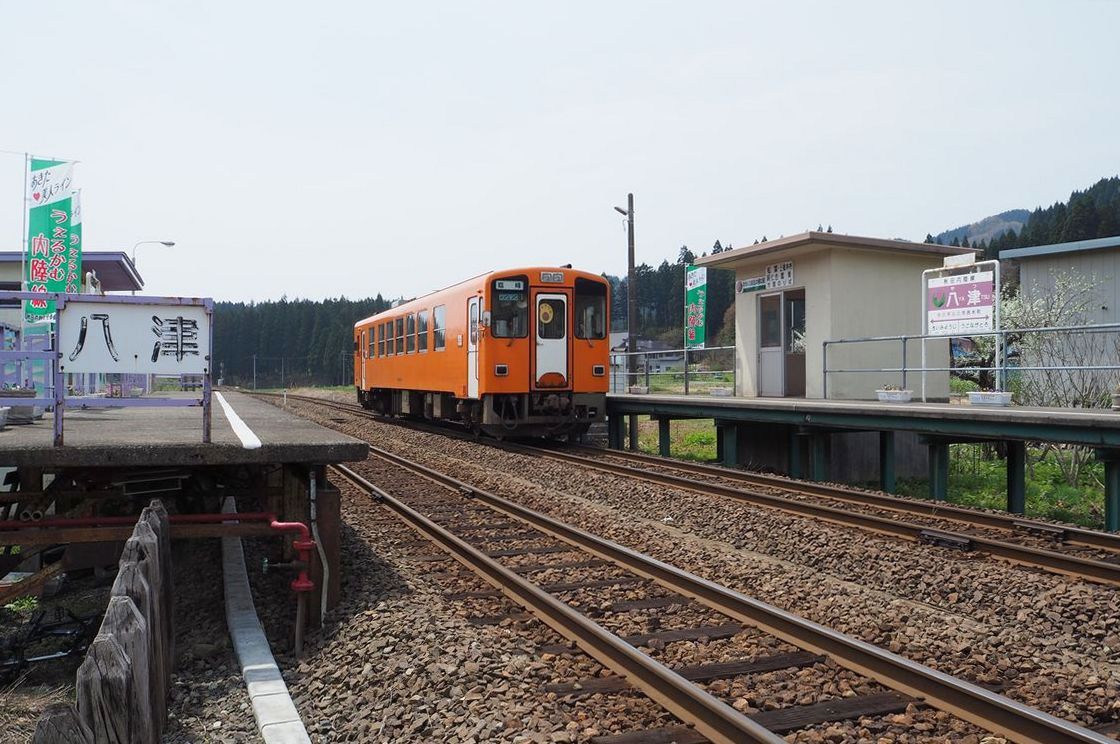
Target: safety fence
{"type": "Point", "coordinates": [1048, 365]}
{"type": "Point", "coordinates": [708, 371]}
{"type": "Point", "coordinates": [123, 682]}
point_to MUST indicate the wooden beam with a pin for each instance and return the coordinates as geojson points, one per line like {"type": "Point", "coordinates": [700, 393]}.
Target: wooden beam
{"type": "Point", "coordinates": [66, 535]}
{"type": "Point", "coordinates": [32, 583]}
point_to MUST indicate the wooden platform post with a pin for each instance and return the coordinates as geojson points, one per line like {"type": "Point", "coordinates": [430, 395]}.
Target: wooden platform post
{"type": "Point", "coordinates": [664, 439]}
{"type": "Point", "coordinates": [818, 456]}
{"type": "Point", "coordinates": [1111, 459]}
{"type": "Point", "coordinates": [887, 481]}
{"type": "Point", "coordinates": [632, 431]}
{"type": "Point", "coordinates": [727, 440]}
{"type": "Point", "coordinates": [938, 469]}
{"type": "Point", "coordinates": [795, 467]}
{"type": "Point", "coordinates": [616, 425]}
{"type": "Point", "coordinates": [1017, 476]}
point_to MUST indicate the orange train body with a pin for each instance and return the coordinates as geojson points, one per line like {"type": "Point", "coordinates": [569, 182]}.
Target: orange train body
{"type": "Point", "coordinates": [515, 352]}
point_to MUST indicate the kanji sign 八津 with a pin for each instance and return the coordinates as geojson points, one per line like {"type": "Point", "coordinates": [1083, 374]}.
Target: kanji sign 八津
{"type": "Point", "coordinates": [960, 304]}
{"type": "Point", "coordinates": [134, 337]}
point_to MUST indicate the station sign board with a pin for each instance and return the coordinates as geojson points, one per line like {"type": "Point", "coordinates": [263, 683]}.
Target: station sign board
{"type": "Point", "coordinates": [134, 337]}
{"type": "Point", "coordinates": [776, 276]}
{"type": "Point", "coordinates": [695, 307]}
{"type": "Point", "coordinates": [960, 304]}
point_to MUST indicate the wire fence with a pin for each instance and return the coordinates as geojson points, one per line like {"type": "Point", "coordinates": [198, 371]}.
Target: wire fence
{"type": "Point", "coordinates": [675, 371]}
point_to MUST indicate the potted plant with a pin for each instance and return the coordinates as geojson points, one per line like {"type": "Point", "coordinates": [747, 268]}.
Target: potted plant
{"type": "Point", "coordinates": [989, 397]}
{"type": "Point", "coordinates": [893, 394]}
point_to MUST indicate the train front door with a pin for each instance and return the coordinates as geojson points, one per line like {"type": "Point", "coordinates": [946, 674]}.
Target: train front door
{"type": "Point", "coordinates": [550, 364]}
{"type": "Point", "coordinates": [472, 347]}
{"type": "Point", "coordinates": [363, 355]}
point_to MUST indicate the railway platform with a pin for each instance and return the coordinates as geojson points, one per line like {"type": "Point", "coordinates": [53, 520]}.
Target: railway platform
{"type": "Point", "coordinates": [272, 462]}
{"type": "Point", "coordinates": [800, 435]}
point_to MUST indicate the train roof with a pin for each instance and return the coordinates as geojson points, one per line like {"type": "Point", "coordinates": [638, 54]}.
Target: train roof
{"type": "Point", "coordinates": [419, 301]}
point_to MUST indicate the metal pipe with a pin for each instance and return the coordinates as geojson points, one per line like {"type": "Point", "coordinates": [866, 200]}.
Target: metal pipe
{"type": "Point", "coordinates": [319, 547]}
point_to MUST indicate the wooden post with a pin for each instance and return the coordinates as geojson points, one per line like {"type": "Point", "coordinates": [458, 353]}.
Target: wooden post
{"type": "Point", "coordinates": [105, 690]}
{"type": "Point", "coordinates": [60, 724]}
{"type": "Point", "coordinates": [139, 579]}
{"type": "Point", "coordinates": [664, 437]}
{"type": "Point", "coordinates": [156, 517]}
{"type": "Point", "coordinates": [124, 622]}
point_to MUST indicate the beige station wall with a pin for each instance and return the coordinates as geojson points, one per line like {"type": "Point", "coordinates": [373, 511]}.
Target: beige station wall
{"type": "Point", "coordinates": [810, 271]}
{"type": "Point", "coordinates": [849, 293]}
{"type": "Point", "coordinates": [877, 294]}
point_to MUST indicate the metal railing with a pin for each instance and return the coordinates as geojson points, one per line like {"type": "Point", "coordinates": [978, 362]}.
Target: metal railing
{"type": "Point", "coordinates": [674, 370]}
{"type": "Point", "coordinates": [1002, 369]}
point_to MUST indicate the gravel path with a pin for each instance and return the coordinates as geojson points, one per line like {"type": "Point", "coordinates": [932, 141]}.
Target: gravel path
{"type": "Point", "coordinates": [1048, 641]}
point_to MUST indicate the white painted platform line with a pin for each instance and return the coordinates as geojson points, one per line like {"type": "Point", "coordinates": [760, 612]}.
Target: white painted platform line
{"type": "Point", "coordinates": [276, 714]}
{"type": "Point", "coordinates": [249, 440]}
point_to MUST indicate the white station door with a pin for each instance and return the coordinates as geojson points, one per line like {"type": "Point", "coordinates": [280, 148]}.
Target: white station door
{"type": "Point", "coordinates": [472, 348]}
{"type": "Point", "coordinates": [552, 340]}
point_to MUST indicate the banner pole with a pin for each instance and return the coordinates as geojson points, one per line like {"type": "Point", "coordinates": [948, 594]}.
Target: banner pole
{"type": "Point", "coordinates": [23, 269]}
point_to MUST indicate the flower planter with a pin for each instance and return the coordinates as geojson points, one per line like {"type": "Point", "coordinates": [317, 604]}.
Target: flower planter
{"type": "Point", "coordinates": [894, 396]}
{"type": "Point", "coordinates": [1116, 401]}
{"type": "Point", "coordinates": [638, 390]}
{"type": "Point", "coordinates": [989, 398]}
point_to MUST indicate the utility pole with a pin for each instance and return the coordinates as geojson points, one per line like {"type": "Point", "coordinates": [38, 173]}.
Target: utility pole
{"type": "Point", "coordinates": [254, 371]}
{"type": "Point", "coordinates": [631, 313]}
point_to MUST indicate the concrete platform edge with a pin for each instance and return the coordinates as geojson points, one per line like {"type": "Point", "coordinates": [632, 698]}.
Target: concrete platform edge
{"type": "Point", "coordinates": [277, 718]}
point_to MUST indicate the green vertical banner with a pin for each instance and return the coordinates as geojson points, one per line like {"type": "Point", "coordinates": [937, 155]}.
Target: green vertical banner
{"type": "Point", "coordinates": [695, 306]}
{"type": "Point", "coordinates": [74, 249]}
{"type": "Point", "coordinates": [49, 221]}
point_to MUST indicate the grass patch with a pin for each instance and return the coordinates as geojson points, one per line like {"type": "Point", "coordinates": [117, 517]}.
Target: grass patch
{"type": "Point", "coordinates": [23, 604]}
{"type": "Point", "coordinates": [689, 439]}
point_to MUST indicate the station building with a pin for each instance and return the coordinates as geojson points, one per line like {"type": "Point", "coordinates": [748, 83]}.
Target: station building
{"type": "Point", "coordinates": [795, 293]}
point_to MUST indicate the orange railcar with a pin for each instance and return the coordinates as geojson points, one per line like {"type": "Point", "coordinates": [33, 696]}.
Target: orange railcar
{"type": "Point", "coordinates": [515, 352]}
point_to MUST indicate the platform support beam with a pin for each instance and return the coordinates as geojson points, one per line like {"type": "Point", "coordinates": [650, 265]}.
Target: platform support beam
{"type": "Point", "coordinates": [663, 436]}
{"type": "Point", "coordinates": [1111, 460]}
{"type": "Point", "coordinates": [818, 457]}
{"type": "Point", "coordinates": [633, 431]}
{"type": "Point", "coordinates": [727, 440]}
{"type": "Point", "coordinates": [938, 469]}
{"type": "Point", "coordinates": [616, 425]}
{"type": "Point", "coordinates": [887, 481]}
{"type": "Point", "coordinates": [1017, 476]}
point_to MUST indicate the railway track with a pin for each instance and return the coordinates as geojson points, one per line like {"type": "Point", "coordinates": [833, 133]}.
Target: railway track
{"type": "Point", "coordinates": [468, 522]}
{"type": "Point", "coordinates": [1002, 536]}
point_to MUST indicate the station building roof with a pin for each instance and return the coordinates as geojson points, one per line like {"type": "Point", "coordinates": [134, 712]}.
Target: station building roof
{"type": "Point", "coordinates": [115, 269]}
{"type": "Point", "coordinates": [812, 240]}
{"type": "Point", "coordinates": [1076, 246]}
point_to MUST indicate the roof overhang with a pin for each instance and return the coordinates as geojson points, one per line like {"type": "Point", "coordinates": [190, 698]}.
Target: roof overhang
{"type": "Point", "coordinates": [809, 241]}
{"type": "Point", "coordinates": [1077, 246]}
{"type": "Point", "coordinates": [115, 269]}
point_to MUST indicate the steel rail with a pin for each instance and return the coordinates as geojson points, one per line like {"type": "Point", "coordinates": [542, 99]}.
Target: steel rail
{"type": "Point", "coordinates": [1071, 535]}
{"type": "Point", "coordinates": [1049, 560]}
{"type": "Point", "coordinates": [1087, 568]}
{"type": "Point", "coordinates": [987, 709]}
{"type": "Point", "coordinates": [710, 716]}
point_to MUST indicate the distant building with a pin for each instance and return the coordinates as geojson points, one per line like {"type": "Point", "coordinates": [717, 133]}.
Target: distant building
{"type": "Point", "coordinates": [1039, 265]}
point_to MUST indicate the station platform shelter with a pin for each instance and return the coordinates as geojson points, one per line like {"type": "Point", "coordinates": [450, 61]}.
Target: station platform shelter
{"type": "Point", "coordinates": [268, 460]}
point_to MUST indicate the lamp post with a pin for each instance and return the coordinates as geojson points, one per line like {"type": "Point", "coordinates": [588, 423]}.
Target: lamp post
{"type": "Point", "coordinates": [631, 310]}
{"type": "Point", "coordinates": [167, 243]}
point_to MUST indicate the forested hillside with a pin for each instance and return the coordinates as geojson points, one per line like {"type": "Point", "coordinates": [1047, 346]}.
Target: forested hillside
{"type": "Point", "coordinates": [1092, 213]}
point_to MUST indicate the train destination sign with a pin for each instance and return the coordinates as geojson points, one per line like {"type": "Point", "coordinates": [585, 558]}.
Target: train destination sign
{"type": "Point", "coordinates": [134, 338]}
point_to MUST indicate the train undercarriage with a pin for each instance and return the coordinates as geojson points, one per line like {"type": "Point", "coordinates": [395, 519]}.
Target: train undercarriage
{"type": "Point", "coordinates": [538, 414]}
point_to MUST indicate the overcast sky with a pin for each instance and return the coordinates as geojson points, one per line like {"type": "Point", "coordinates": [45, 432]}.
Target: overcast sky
{"type": "Point", "coordinates": [319, 149]}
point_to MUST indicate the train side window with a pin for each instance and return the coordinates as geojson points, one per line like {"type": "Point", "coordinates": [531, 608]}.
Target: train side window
{"type": "Point", "coordinates": [380, 340]}
{"type": "Point", "coordinates": [474, 323]}
{"type": "Point", "coordinates": [410, 332]}
{"type": "Point", "coordinates": [590, 309]}
{"type": "Point", "coordinates": [400, 335]}
{"type": "Point", "coordinates": [388, 329]}
{"type": "Point", "coordinates": [509, 307]}
{"type": "Point", "coordinates": [422, 330]}
{"type": "Point", "coordinates": [439, 327]}
{"type": "Point", "coordinates": [370, 348]}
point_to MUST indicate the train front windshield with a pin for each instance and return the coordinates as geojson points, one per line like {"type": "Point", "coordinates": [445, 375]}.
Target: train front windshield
{"type": "Point", "coordinates": [509, 307]}
{"type": "Point", "coordinates": [591, 309]}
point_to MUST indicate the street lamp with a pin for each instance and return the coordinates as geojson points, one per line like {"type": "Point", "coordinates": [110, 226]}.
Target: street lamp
{"type": "Point", "coordinates": [167, 243]}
